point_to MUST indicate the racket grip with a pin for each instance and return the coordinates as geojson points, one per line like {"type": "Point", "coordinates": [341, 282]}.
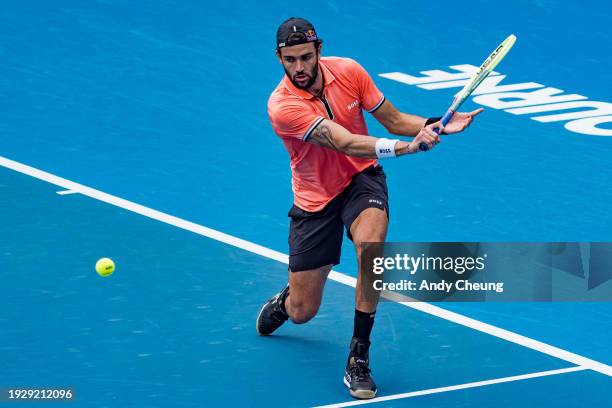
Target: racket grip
{"type": "Point", "coordinates": [445, 119]}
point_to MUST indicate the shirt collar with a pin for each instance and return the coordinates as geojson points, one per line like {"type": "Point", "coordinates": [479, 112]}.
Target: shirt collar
{"type": "Point", "coordinates": [327, 76]}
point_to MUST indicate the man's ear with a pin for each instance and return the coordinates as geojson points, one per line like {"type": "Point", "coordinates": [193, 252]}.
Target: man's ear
{"type": "Point", "coordinates": [278, 55]}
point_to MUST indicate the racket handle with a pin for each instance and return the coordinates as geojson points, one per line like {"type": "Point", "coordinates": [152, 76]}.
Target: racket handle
{"type": "Point", "coordinates": [445, 119]}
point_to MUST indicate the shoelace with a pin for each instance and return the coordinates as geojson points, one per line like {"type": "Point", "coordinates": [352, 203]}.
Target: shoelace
{"type": "Point", "coordinates": [360, 371]}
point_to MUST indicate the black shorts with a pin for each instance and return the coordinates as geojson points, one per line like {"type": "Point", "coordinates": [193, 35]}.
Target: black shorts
{"type": "Point", "coordinates": [315, 238]}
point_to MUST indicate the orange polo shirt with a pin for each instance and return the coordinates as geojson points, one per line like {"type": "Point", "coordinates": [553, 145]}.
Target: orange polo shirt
{"type": "Point", "coordinates": [319, 174]}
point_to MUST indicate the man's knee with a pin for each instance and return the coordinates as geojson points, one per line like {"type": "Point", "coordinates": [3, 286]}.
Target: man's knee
{"type": "Point", "coordinates": [373, 236]}
{"type": "Point", "coordinates": [302, 312]}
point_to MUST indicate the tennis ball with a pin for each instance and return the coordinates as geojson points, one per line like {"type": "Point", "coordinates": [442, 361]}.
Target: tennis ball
{"type": "Point", "coordinates": [105, 267]}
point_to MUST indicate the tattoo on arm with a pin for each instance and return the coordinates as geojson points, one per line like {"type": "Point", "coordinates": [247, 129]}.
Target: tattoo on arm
{"type": "Point", "coordinates": [322, 135]}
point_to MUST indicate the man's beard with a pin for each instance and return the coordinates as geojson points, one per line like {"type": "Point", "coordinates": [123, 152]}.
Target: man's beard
{"type": "Point", "coordinates": [312, 75]}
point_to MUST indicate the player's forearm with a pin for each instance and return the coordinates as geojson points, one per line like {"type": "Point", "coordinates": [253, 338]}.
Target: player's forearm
{"type": "Point", "coordinates": [407, 125]}
{"type": "Point", "coordinates": [333, 136]}
{"type": "Point", "coordinates": [365, 147]}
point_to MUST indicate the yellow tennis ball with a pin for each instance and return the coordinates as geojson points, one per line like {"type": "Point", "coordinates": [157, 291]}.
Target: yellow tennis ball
{"type": "Point", "coordinates": [105, 267]}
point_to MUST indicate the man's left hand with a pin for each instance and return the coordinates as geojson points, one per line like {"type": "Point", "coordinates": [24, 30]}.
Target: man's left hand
{"type": "Point", "coordinates": [460, 121]}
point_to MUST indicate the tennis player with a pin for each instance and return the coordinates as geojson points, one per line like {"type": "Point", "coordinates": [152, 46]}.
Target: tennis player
{"type": "Point", "coordinates": [317, 111]}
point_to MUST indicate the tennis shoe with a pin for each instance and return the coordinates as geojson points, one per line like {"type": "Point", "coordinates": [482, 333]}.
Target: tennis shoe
{"type": "Point", "coordinates": [272, 314]}
{"type": "Point", "coordinates": [358, 376]}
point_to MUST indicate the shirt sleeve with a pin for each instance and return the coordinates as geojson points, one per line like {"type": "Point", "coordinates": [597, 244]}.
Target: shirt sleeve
{"type": "Point", "coordinates": [293, 119]}
{"type": "Point", "coordinates": [371, 97]}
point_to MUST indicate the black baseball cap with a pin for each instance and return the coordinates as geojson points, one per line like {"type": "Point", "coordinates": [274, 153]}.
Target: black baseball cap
{"type": "Point", "coordinates": [294, 31]}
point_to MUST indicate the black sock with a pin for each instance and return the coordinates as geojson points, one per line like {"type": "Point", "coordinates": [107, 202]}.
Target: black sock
{"type": "Point", "coordinates": [363, 325]}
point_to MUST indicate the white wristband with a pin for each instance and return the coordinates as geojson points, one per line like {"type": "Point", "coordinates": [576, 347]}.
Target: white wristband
{"type": "Point", "coordinates": [385, 148]}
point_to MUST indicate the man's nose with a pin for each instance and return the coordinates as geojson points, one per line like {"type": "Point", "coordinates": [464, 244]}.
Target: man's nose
{"type": "Point", "coordinates": [299, 66]}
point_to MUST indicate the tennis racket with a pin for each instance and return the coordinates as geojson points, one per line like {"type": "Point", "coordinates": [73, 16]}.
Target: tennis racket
{"type": "Point", "coordinates": [482, 72]}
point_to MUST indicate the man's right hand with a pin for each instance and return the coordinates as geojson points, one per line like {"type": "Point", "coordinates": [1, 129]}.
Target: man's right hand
{"type": "Point", "coordinates": [428, 136]}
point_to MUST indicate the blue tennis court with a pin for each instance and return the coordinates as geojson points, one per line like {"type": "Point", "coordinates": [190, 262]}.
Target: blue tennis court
{"type": "Point", "coordinates": [139, 132]}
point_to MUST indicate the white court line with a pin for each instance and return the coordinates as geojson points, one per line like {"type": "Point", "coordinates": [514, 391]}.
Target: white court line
{"type": "Point", "coordinates": [66, 192]}
{"type": "Point", "coordinates": [280, 257]}
{"type": "Point", "coordinates": [455, 387]}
